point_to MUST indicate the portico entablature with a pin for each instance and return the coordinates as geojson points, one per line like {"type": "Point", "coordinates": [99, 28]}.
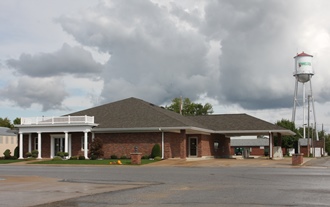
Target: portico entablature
{"type": "Point", "coordinates": [54, 128]}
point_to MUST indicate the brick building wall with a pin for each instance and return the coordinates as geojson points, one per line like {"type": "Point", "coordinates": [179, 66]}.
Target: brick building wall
{"type": "Point", "coordinates": [223, 150]}
{"type": "Point", "coordinates": [255, 150]}
{"type": "Point", "coordinates": [206, 145]}
{"type": "Point", "coordinates": [176, 145]}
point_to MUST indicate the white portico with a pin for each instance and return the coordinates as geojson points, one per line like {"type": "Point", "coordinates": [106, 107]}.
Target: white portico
{"type": "Point", "coordinates": [59, 129]}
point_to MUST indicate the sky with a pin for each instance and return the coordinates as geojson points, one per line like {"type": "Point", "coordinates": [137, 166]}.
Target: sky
{"type": "Point", "coordinates": [59, 57]}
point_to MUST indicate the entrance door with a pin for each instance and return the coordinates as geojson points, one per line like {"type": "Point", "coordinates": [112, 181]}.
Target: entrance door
{"type": "Point", "coordinates": [59, 145]}
{"type": "Point", "coordinates": [193, 147]}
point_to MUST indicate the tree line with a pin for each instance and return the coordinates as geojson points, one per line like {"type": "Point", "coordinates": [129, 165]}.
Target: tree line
{"type": "Point", "coordinates": [5, 122]}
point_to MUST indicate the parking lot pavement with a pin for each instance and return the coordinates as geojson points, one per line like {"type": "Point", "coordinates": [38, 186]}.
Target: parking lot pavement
{"type": "Point", "coordinates": [35, 190]}
{"type": "Point", "coordinates": [22, 191]}
{"type": "Point", "coordinates": [319, 162]}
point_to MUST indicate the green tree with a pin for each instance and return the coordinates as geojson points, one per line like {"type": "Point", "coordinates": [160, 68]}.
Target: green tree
{"type": "Point", "coordinates": [189, 108]}
{"type": "Point", "coordinates": [290, 140]}
{"type": "Point", "coordinates": [5, 122]}
{"type": "Point", "coordinates": [327, 142]}
{"type": "Point", "coordinates": [156, 151]}
{"type": "Point", "coordinates": [17, 121]}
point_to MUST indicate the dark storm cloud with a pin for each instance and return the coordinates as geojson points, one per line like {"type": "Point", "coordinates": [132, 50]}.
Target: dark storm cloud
{"type": "Point", "coordinates": [67, 60]}
{"type": "Point", "coordinates": [252, 63]}
{"type": "Point", "coordinates": [152, 56]}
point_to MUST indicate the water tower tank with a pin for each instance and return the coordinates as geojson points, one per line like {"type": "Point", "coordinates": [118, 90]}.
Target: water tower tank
{"type": "Point", "coordinates": [303, 67]}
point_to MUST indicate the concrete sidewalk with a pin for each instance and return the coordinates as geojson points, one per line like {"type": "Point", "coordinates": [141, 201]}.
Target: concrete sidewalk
{"type": "Point", "coordinates": [214, 162]}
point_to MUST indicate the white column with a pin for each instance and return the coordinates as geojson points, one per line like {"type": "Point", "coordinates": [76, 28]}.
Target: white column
{"type": "Point", "coordinates": [21, 146]}
{"type": "Point", "coordinates": [39, 145]}
{"type": "Point", "coordinates": [52, 147]}
{"type": "Point", "coordinates": [66, 142]}
{"type": "Point", "coordinates": [30, 143]}
{"type": "Point", "coordinates": [86, 144]}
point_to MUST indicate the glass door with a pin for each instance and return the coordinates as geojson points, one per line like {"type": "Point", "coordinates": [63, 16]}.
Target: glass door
{"type": "Point", "coordinates": [59, 144]}
{"type": "Point", "coordinates": [193, 147]}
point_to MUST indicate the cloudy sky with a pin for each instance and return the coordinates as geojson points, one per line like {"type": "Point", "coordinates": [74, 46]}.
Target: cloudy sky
{"type": "Point", "coordinates": [58, 57]}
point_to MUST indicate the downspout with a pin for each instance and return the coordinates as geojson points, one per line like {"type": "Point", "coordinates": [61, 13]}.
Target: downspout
{"type": "Point", "coordinates": [162, 143]}
{"type": "Point", "coordinates": [270, 145]}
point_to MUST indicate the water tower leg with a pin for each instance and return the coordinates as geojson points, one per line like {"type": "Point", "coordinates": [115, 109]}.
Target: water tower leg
{"type": "Point", "coordinates": [304, 103]}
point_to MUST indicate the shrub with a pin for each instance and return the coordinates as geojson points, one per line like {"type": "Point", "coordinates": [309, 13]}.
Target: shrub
{"type": "Point", "coordinates": [28, 154]}
{"type": "Point", "coordinates": [113, 157]}
{"type": "Point", "coordinates": [34, 153]}
{"type": "Point", "coordinates": [156, 152]}
{"type": "Point", "coordinates": [123, 157]}
{"type": "Point", "coordinates": [157, 158]}
{"type": "Point", "coordinates": [60, 154]}
{"type": "Point", "coordinates": [73, 158]}
{"type": "Point", "coordinates": [145, 157]}
{"type": "Point", "coordinates": [16, 152]}
{"type": "Point", "coordinates": [7, 154]}
{"type": "Point", "coordinates": [81, 157]}
{"type": "Point", "coordinates": [95, 148]}
{"type": "Point", "coordinates": [93, 157]}
{"type": "Point", "coordinates": [56, 158]}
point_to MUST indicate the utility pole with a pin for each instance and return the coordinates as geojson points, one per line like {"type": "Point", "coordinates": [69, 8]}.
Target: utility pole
{"type": "Point", "coordinates": [308, 134]}
{"type": "Point", "coordinates": [323, 141]}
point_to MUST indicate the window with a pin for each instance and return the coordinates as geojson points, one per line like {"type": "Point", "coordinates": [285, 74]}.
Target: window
{"type": "Point", "coordinates": [1, 140]}
{"type": "Point", "coordinates": [12, 140]}
{"type": "Point", "coordinates": [6, 140]}
{"type": "Point", "coordinates": [35, 143]}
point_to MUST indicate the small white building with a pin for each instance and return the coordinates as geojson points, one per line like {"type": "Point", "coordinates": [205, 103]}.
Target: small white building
{"type": "Point", "coordinates": [8, 140]}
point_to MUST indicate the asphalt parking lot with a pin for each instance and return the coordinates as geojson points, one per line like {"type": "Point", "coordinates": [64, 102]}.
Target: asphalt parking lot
{"type": "Point", "coordinates": [160, 183]}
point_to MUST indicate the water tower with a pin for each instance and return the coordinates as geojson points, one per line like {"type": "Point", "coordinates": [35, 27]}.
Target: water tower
{"type": "Point", "coordinates": [303, 73]}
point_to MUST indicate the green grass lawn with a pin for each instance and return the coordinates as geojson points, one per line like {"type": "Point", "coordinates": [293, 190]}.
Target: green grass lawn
{"type": "Point", "coordinates": [91, 162]}
{"type": "Point", "coordinates": [10, 161]}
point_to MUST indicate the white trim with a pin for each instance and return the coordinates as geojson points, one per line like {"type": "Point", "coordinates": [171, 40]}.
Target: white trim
{"type": "Point", "coordinates": [52, 143]}
{"type": "Point", "coordinates": [154, 129]}
{"type": "Point", "coordinates": [21, 146]}
{"type": "Point", "coordinates": [82, 143]}
{"type": "Point", "coordinates": [253, 132]}
{"type": "Point", "coordinates": [54, 128]}
{"type": "Point", "coordinates": [86, 144]}
{"type": "Point", "coordinates": [39, 145]}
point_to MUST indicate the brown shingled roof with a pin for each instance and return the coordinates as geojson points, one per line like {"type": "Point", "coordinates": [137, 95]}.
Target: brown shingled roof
{"type": "Point", "coordinates": [136, 113]}
{"type": "Point", "coordinates": [133, 113]}
{"type": "Point", "coordinates": [238, 124]}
